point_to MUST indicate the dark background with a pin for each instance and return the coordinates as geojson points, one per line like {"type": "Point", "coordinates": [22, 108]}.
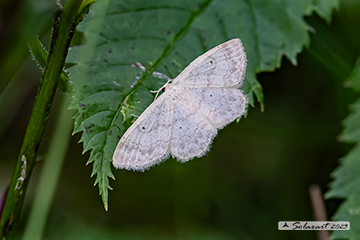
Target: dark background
{"type": "Point", "coordinates": [257, 173]}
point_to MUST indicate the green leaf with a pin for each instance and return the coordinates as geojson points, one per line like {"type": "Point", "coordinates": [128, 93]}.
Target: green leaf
{"type": "Point", "coordinates": [40, 55]}
{"type": "Point", "coordinates": [347, 176]}
{"type": "Point", "coordinates": [349, 211]}
{"type": "Point", "coordinates": [165, 36]}
{"type": "Point", "coordinates": [325, 8]}
{"type": "Point", "coordinates": [354, 79]}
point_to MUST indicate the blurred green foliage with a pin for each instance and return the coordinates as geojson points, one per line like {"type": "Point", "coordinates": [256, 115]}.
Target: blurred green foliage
{"type": "Point", "coordinates": [347, 175]}
{"type": "Point", "coordinates": [257, 173]}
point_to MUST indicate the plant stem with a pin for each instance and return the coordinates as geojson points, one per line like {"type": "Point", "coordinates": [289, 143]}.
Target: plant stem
{"type": "Point", "coordinates": [64, 27]}
{"type": "Point", "coordinates": [50, 174]}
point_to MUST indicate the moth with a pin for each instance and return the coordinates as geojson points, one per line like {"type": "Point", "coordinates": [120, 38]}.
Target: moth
{"type": "Point", "coordinates": [183, 121]}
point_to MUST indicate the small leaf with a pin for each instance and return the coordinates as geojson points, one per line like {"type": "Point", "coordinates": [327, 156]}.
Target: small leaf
{"type": "Point", "coordinates": [40, 54]}
{"type": "Point", "coordinates": [325, 8]}
{"type": "Point", "coordinates": [347, 176]}
{"type": "Point", "coordinates": [354, 79]}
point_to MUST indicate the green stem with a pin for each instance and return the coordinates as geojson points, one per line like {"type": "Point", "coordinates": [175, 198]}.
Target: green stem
{"type": "Point", "coordinates": [62, 34]}
{"type": "Point", "coordinates": [50, 174]}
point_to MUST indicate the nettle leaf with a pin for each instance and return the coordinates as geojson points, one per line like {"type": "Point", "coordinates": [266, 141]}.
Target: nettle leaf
{"type": "Point", "coordinates": [325, 8]}
{"type": "Point", "coordinates": [347, 176]}
{"type": "Point", "coordinates": [353, 80]}
{"type": "Point", "coordinates": [110, 89]}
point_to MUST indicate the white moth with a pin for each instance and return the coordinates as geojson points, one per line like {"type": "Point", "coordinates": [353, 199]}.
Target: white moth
{"type": "Point", "coordinates": [184, 120]}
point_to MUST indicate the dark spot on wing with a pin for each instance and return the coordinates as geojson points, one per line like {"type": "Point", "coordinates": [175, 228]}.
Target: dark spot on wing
{"type": "Point", "coordinates": [182, 145]}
